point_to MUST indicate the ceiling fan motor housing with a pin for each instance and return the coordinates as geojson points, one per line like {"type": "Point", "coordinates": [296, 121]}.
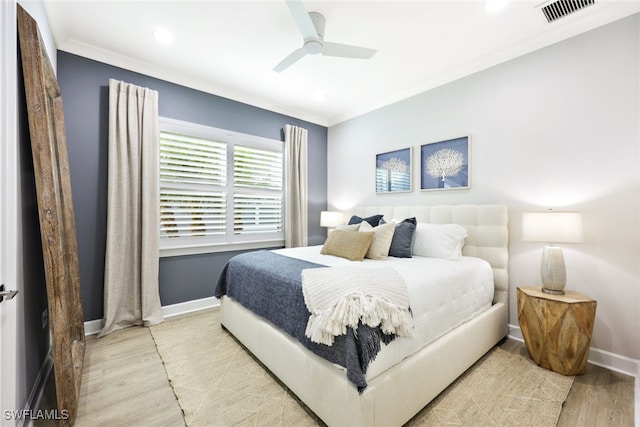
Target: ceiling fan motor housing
{"type": "Point", "coordinates": [313, 47]}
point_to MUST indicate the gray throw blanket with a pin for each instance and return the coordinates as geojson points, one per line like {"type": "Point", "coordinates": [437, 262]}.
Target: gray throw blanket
{"type": "Point", "coordinates": [270, 285]}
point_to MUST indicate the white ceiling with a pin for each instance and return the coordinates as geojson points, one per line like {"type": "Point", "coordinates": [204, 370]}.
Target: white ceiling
{"type": "Point", "coordinates": [229, 48]}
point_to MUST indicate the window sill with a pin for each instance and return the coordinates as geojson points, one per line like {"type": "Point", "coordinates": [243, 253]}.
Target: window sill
{"type": "Point", "coordinates": [222, 247]}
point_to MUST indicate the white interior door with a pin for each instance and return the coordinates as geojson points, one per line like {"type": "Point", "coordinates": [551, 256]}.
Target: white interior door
{"type": "Point", "coordinates": [8, 211]}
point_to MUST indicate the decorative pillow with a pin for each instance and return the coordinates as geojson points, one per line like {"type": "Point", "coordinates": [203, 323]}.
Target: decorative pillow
{"type": "Point", "coordinates": [379, 248]}
{"type": "Point", "coordinates": [402, 242]}
{"type": "Point", "coordinates": [352, 245]}
{"type": "Point", "coordinates": [373, 220]}
{"type": "Point", "coordinates": [439, 240]}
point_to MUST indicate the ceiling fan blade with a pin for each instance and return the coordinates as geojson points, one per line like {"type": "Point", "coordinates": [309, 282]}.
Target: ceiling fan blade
{"type": "Point", "coordinates": [303, 20]}
{"type": "Point", "coordinates": [295, 56]}
{"type": "Point", "coordinates": [347, 51]}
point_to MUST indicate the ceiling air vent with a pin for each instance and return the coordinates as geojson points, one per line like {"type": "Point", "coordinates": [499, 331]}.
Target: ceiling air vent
{"type": "Point", "coordinates": [560, 8]}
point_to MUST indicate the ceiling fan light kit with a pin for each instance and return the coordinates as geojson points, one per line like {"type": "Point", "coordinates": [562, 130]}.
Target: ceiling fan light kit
{"type": "Point", "coordinates": [311, 26]}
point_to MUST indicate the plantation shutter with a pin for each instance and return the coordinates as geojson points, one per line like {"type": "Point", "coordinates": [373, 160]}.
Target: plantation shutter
{"type": "Point", "coordinates": [193, 176]}
{"type": "Point", "coordinates": [257, 199]}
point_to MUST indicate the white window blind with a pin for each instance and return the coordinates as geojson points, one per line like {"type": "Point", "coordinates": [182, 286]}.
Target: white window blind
{"type": "Point", "coordinates": [193, 175]}
{"type": "Point", "coordinates": [190, 160]}
{"type": "Point", "coordinates": [218, 189]}
{"type": "Point", "coordinates": [257, 200]}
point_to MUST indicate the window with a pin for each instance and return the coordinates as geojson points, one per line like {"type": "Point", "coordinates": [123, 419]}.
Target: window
{"type": "Point", "coordinates": [219, 190]}
{"type": "Point", "coordinates": [257, 196]}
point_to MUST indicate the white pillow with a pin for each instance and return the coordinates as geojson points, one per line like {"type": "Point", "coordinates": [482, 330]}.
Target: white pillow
{"type": "Point", "coordinates": [439, 240]}
{"type": "Point", "coordinates": [352, 227]}
{"type": "Point", "coordinates": [379, 249]}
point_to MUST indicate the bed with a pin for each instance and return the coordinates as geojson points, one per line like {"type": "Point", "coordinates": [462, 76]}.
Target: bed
{"type": "Point", "coordinates": [398, 385]}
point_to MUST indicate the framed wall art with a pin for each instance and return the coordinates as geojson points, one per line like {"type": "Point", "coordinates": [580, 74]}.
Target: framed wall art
{"type": "Point", "coordinates": [393, 171]}
{"type": "Point", "coordinates": [444, 165]}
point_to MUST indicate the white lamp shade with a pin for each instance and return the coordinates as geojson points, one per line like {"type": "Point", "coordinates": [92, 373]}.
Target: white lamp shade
{"type": "Point", "coordinates": [331, 219]}
{"type": "Point", "coordinates": [552, 227]}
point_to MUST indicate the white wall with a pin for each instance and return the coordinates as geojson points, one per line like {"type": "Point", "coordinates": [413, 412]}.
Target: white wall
{"type": "Point", "coordinates": [557, 128]}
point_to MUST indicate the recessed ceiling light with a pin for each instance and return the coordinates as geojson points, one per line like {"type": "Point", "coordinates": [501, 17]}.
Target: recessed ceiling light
{"type": "Point", "coordinates": [163, 36]}
{"type": "Point", "coordinates": [493, 6]}
{"type": "Point", "coordinates": [319, 95]}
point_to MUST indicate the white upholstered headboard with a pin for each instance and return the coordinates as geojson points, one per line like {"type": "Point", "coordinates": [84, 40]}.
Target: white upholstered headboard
{"type": "Point", "coordinates": [487, 226]}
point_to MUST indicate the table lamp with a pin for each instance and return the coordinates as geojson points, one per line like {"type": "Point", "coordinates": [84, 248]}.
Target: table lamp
{"type": "Point", "coordinates": [331, 219]}
{"type": "Point", "coordinates": [552, 227]}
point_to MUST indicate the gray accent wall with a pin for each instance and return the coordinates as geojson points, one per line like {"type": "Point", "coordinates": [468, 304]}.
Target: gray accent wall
{"type": "Point", "coordinates": [85, 87]}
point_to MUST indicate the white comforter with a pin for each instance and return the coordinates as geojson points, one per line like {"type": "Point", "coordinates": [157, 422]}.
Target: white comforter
{"type": "Point", "coordinates": [443, 294]}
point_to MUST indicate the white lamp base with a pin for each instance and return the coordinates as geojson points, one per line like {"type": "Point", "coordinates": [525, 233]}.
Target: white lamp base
{"type": "Point", "coordinates": [552, 270]}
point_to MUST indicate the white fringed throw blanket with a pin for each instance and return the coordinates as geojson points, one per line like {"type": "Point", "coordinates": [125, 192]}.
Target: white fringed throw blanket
{"type": "Point", "coordinates": [339, 297]}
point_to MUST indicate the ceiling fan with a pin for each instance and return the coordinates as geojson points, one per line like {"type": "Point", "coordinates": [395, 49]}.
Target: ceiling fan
{"type": "Point", "coordinates": [311, 25]}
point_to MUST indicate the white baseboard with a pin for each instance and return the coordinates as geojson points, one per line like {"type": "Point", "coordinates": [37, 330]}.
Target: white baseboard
{"type": "Point", "coordinates": [615, 362]}
{"type": "Point", "coordinates": [92, 327]}
{"type": "Point", "coordinates": [190, 306]}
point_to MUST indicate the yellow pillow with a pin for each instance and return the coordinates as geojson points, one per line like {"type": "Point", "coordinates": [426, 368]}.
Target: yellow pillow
{"type": "Point", "coordinates": [352, 245]}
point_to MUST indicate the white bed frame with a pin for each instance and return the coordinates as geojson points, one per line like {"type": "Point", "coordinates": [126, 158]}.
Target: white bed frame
{"type": "Point", "coordinates": [393, 397]}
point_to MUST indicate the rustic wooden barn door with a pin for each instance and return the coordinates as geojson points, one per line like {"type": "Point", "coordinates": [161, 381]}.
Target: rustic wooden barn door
{"type": "Point", "coordinates": [57, 221]}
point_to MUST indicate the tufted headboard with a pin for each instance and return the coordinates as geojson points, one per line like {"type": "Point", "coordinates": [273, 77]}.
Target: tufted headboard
{"type": "Point", "coordinates": [487, 226]}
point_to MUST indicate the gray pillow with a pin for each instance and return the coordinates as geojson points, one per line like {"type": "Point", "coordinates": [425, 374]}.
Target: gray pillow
{"type": "Point", "coordinates": [402, 242]}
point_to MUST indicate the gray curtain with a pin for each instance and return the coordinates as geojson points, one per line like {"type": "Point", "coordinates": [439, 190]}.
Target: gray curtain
{"type": "Point", "coordinates": [131, 294]}
{"type": "Point", "coordinates": [296, 187]}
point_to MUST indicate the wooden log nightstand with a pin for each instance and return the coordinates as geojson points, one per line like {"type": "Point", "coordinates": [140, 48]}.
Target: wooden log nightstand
{"type": "Point", "coordinates": [556, 328]}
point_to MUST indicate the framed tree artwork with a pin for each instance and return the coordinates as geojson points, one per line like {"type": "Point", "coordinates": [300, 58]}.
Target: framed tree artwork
{"type": "Point", "coordinates": [444, 165]}
{"type": "Point", "coordinates": [393, 171]}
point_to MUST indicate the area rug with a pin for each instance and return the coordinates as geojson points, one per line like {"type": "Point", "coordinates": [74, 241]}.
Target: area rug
{"type": "Point", "coordinates": [218, 383]}
{"type": "Point", "coordinates": [501, 389]}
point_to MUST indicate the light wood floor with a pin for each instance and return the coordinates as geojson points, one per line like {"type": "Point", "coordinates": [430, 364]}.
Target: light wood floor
{"type": "Point", "coordinates": [598, 398]}
{"type": "Point", "coordinates": [124, 383]}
